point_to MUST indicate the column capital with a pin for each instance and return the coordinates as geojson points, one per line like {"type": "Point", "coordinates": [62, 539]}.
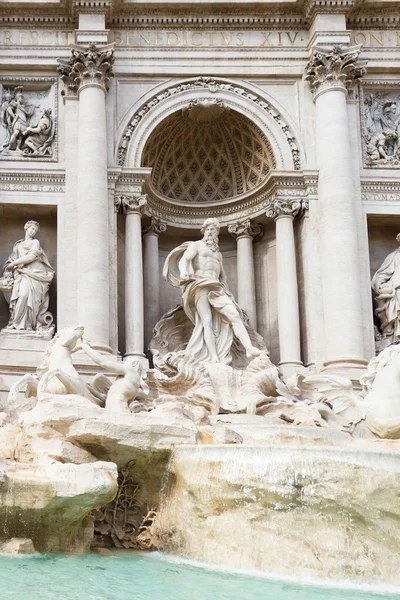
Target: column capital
{"type": "Point", "coordinates": [246, 228]}
{"type": "Point", "coordinates": [337, 68]}
{"type": "Point", "coordinates": [153, 225]}
{"type": "Point", "coordinates": [117, 204]}
{"type": "Point", "coordinates": [284, 207]}
{"type": "Point", "coordinates": [87, 66]}
{"type": "Point", "coordinates": [133, 204]}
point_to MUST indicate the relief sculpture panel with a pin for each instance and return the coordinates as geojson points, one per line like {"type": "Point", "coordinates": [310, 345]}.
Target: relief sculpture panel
{"type": "Point", "coordinates": [28, 121]}
{"type": "Point", "coordinates": [381, 124]}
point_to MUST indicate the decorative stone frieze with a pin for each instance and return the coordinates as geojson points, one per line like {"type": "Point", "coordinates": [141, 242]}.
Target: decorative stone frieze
{"type": "Point", "coordinates": [246, 228]}
{"type": "Point", "coordinates": [87, 66]}
{"type": "Point", "coordinates": [284, 207]}
{"type": "Point", "coordinates": [133, 204]}
{"type": "Point", "coordinates": [335, 68]}
{"type": "Point", "coordinates": [154, 225]}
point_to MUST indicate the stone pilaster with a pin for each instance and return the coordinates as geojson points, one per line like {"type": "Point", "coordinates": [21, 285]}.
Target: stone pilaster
{"type": "Point", "coordinates": [330, 74]}
{"type": "Point", "coordinates": [284, 210]}
{"type": "Point", "coordinates": [245, 232]}
{"type": "Point", "coordinates": [151, 280]}
{"type": "Point", "coordinates": [87, 74]}
{"type": "Point", "coordinates": [132, 207]}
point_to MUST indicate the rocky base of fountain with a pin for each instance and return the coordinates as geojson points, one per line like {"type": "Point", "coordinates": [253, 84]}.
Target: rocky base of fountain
{"type": "Point", "coordinates": [303, 503]}
{"type": "Point", "coordinates": [53, 475]}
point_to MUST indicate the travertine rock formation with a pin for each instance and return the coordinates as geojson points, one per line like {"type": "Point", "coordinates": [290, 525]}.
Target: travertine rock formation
{"type": "Point", "coordinates": [323, 512]}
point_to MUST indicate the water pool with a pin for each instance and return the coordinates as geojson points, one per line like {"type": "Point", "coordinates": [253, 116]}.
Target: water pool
{"type": "Point", "coordinates": [136, 576]}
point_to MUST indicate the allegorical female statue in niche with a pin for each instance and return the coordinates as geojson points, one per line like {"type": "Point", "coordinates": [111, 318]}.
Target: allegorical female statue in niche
{"type": "Point", "coordinates": [386, 285]}
{"type": "Point", "coordinates": [25, 283]}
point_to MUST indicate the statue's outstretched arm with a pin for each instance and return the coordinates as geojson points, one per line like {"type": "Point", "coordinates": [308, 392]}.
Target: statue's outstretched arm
{"type": "Point", "coordinates": [102, 361]}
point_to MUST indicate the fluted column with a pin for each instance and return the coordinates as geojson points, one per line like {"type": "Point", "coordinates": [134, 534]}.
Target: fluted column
{"type": "Point", "coordinates": [67, 252]}
{"type": "Point", "coordinates": [284, 210]}
{"type": "Point", "coordinates": [89, 70]}
{"type": "Point", "coordinates": [134, 313]}
{"type": "Point", "coordinates": [245, 233]}
{"type": "Point", "coordinates": [331, 73]}
{"type": "Point", "coordinates": [151, 279]}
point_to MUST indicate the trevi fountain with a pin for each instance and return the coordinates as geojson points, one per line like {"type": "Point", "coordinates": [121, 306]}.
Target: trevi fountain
{"type": "Point", "coordinates": [200, 300]}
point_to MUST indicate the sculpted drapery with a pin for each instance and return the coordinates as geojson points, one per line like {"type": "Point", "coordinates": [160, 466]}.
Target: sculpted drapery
{"type": "Point", "coordinates": [26, 282]}
{"type": "Point", "coordinates": [197, 268]}
{"type": "Point", "coordinates": [386, 285]}
{"type": "Point", "coordinates": [218, 297]}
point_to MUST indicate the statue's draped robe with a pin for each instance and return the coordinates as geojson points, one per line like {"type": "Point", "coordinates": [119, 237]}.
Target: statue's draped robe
{"type": "Point", "coordinates": [388, 304]}
{"type": "Point", "coordinates": [218, 297]}
{"type": "Point", "coordinates": [29, 299]}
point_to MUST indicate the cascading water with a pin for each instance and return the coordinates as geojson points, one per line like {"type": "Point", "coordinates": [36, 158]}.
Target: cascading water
{"type": "Point", "coordinates": [310, 511]}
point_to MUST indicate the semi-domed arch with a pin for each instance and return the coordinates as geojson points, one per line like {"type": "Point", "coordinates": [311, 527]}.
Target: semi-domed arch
{"type": "Point", "coordinates": [251, 102]}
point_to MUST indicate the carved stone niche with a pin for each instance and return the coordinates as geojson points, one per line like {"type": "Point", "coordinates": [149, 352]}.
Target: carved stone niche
{"type": "Point", "coordinates": [28, 119]}
{"type": "Point", "coordinates": [380, 118]}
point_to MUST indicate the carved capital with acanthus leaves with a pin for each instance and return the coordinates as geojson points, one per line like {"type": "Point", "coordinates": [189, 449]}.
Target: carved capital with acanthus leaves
{"type": "Point", "coordinates": [87, 66]}
{"type": "Point", "coordinates": [154, 226]}
{"type": "Point", "coordinates": [246, 228]}
{"type": "Point", "coordinates": [133, 204]}
{"type": "Point", "coordinates": [337, 68]}
{"type": "Point", "coordinates": [284, 207]}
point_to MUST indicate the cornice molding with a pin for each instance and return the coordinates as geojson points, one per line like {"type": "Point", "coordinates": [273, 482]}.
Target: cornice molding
{"type": "Point", "coordinates": [313, 7]}
{"type": "Point", "coordinates": [293, 185]}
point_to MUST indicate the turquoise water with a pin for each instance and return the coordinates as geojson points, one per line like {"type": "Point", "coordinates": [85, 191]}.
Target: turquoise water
{"type": "Point", "coordinates": [135, 576]}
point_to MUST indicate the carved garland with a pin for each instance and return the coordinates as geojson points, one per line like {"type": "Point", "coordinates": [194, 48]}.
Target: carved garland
{"type": "Point", "coordinates": [212, 85]}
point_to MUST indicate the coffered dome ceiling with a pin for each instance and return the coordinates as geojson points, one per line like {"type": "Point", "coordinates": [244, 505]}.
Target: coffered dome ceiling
{"type": "Point", "coordinates": [207, 153]}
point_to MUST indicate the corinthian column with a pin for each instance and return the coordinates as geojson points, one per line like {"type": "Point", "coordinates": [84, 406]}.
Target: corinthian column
{"type": "Point", "coordinates": [89, 71]}
{"type": "Point", "coordinates": [245, 232]}
{"type": "Point", "coordinates": [331, 73]}
{"type": "Point", "coordinates": [284, 210]}
{"type": "Point", "coordinates": [134, 319]}
{"type": "Point", "coordinates": [151, 231]}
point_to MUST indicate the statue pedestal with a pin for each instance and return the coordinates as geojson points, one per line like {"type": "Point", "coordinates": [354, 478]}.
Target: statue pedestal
{"type": "Point", "coordinates": [20, 353]}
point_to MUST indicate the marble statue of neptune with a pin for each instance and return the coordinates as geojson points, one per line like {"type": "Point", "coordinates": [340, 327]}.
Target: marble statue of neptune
{"type": "Point", "coordinates": [26, 281]}
{"type": "Point", "coordinates": [197, 268]}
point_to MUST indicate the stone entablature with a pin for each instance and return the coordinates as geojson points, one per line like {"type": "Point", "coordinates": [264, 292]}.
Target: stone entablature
{"type": "Point", "coordinates": [227, 34]}
{"type": "Point", "coordinates": [249, 206]}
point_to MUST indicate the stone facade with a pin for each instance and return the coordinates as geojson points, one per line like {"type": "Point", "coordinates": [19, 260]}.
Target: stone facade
{"type": "Point", "coordinates": [123, 127]}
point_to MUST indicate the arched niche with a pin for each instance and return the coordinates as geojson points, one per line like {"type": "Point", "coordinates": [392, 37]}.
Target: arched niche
{"type": "Point", "coordinates": [244, 99]}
